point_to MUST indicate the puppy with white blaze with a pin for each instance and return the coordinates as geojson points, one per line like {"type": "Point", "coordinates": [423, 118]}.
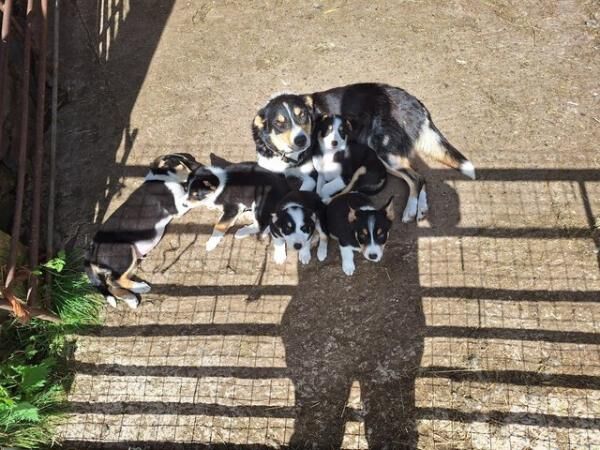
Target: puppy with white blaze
{"type": "Point", "coordinates": [299, 218]}
{"type": "Point", "coordinates": [358, 226]}
{"type": "Point", "coordinates": [337, 158]}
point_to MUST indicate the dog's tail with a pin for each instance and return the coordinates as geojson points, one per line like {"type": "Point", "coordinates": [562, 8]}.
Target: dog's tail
{"type": "Point", "coordinates": [432, 142]}
{"type": "Point", "coordinates": [355, 176]}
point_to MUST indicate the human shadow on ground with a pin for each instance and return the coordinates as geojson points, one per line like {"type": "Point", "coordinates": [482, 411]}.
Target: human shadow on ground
{"type": "Point", "coordinates": [369, 329]}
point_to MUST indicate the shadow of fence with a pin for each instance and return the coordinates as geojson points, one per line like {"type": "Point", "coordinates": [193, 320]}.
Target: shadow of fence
{"type": "Point", "coordinates": [477, 338]}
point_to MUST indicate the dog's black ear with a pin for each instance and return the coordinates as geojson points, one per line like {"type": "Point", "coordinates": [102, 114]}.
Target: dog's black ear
{"type": "Point", "coordinates": [351, 215]}
{"type": "Point", "coordinates": [259, 120]}
{"type": "Point", "coordinates": [389, 208]}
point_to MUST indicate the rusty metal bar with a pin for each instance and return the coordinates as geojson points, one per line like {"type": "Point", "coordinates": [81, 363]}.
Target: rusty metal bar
{"type": "Point", "coordinates": [53, 135]}
{"type": "Point", "coordinates": [4, 43]}
{"type": "Point", "coordinates": [18, 213]}
{"type": "Point", "coordinates": [34, 243]}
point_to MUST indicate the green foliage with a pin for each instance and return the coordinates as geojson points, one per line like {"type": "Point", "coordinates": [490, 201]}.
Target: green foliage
{"type": "Point", "coordinates": [34, 373]}
{"type": "Point", "coordinates": [74, 300]}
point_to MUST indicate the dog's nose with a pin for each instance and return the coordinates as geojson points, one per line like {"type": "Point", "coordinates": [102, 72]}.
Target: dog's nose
{"type": "Point", "coordinates": [334, 143]}
{"type": "Point", "coordinates": [372, 256]}
{"type": "Point", "coordinates": [297, 246]}
{"type": "Point", "coordinates": [300, 140]}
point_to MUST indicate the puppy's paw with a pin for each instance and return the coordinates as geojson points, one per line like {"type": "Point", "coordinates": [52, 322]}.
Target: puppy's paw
{"type": "Point", "coordinates": [348, 267]}
{"type": "Point", "coordinates": [132, 301]}
{"type": "Point", "coordinates": [246, 231]}
{"type": "Point", "coordinates": [322, 252]}
{"type": "Point", "coordinates": [422, 205]}
{"type": "Point", "coordinates": [280, 255]}
{"type": "Point", "coordinates": [140, 288]}
{"type": "Point", "coordinates": [212, 243]}
{"type": "Point", "coordinates": [111, 301]}
{"type": "Point", "coordinates": [304, 255]}
{"type": "Point", "coordinates": [410, 212]}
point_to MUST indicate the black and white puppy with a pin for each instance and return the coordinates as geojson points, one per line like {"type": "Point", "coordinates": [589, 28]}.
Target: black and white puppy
{"type": "Point", "coordinates": [388, 119]}
{"type": "Point", "coordinates": [359, 227]}
{"type": "Point", "coordinates": [235, 189]}
{"type": "Point", "coordinates": [137, 227]}
{"type": "Point", "coordinates": [336, 159]}
{"type": "Point", "coordinates": [300, 217]}
{"type": "Point", "coordinates": [282, 131]}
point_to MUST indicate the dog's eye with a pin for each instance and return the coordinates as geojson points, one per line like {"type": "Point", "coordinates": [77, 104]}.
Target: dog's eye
{"type": "Point", "coordinates": [305, 228]}
{"type": "Point", "coordinates": [301, 114]}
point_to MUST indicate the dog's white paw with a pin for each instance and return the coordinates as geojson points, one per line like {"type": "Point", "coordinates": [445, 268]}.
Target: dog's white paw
{"type": "Point", "coordinates": [468, 169]}
{"type": "Point", "coordinates": [132, 301]}
{"type": "Point", "coordinates": [410, 212]}
{"type": "Point", "coordinates": [212, 243]}
{"type": "Point", "coordinates": [246, 231]}
{"type": "Point", "coordinates": [422, 205]}
{"type": "Point", "coordinates": [322, 252]}
{"type": "Point", "coordinates": [111, 301]}
{"type": "Point", "coordinates": [304, 255]}
{"type": "Point", "coordinates": [280, 255]}
{"type": "Point", "coordinates": [348, 267]}
{"type": "Point", "coordinates": [140, 288]}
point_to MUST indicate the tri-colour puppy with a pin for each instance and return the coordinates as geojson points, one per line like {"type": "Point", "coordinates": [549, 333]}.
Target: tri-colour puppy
{"type": "Point", "coordinates": [137, 227]}
{"type": "Point", "coordinates": [358, 226]}
{"type": "Point", "coordinates": [235, 189]}
{"type": "Point", "coordinates": [388, 119]}
{"type": "Point", "coordinates": [300, 217]}
{"type": "Point", "coordinates": [282, 131]}
{"type": "Point", "coordinates": [337, 158]}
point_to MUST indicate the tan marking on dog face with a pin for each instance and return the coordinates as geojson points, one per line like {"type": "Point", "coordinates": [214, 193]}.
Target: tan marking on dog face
{"type": "Point", "coordinates": [280, 119]}
{"type": "Point", "coordinates": [351, 215]}
{"type": "Point", "coordinates": [308, 101]}
{"type": "Point", "coordinates": [281, 140]}
{"type": "Point", "coordinates": [259, 122]}
{"type": "Point", "coordinates": [297, 110]}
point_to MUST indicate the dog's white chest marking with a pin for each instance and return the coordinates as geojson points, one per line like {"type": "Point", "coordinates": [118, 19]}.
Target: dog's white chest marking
{"type": "Point", "coordinates": [330, 168]}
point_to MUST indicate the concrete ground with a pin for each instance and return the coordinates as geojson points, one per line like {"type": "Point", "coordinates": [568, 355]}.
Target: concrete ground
{"type": "Point", "coordinates": [478, 329]}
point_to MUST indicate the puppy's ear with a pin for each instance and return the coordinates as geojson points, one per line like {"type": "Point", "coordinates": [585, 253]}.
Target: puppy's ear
{"type": "Point", "coordinates": [159, 162]}
{"type": "Point", "coordinates": [351, 215]}
{"type": "Point", "coordinates": [389, 208]}
{"type": "Point", "coordinates": [308, 101]}
{"type": "Point", "coordinates": [259, 120]}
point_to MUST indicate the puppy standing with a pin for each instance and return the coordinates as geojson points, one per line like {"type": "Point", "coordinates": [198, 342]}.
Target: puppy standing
{"type": "Point", "coordinates": [137, 227]}
{"type": "Point", "coordinates": [294, 223]}
{"type": "Point", "coordinates": [359, 227]}
{"type": "Point", "coordinates": [336, 160]}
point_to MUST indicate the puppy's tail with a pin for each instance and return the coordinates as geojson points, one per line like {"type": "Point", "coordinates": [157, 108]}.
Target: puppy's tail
{"type": "Point", "coordinates": [432, 142]}
{"type": "Point", "coordinates": [355, 176]}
